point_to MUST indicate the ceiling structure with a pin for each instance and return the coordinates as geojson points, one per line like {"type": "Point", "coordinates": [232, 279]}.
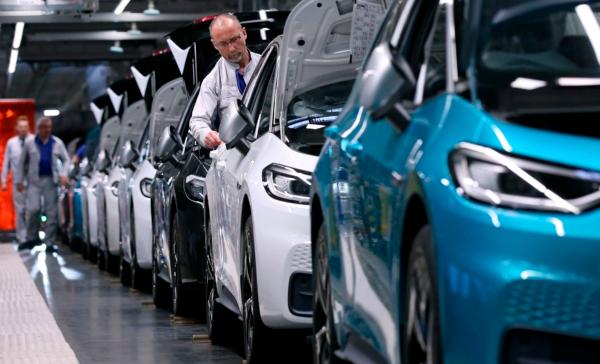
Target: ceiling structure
{"type": "Point", "coordinates": [65, 58]}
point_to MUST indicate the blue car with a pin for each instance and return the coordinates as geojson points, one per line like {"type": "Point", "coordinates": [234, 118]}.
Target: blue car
{"type": "Point", "coordinates": [454, 206]}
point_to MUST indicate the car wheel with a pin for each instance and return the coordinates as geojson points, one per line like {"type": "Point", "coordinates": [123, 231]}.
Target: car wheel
{"type": "Point", "coordinates": [324, 341]}
{"type": "Point", "coordinates": [161, 292]}
{"type": "Point", "coordinates": [85, 250]}
{"type": "Point", "coordinates": [92, 254]}
{"type": "Point", "coordinates": [422, 329]}
{"type": "Point", "coordinates": [217, 316]}
{"type": "Point", "coordinates": [255, 332]}
{"type": "Point", "coordinates": [112, 263]}
{"type": "Point", "coordinates": [101, 260]}
{"type": "Point", "coordinates": [180, 297]}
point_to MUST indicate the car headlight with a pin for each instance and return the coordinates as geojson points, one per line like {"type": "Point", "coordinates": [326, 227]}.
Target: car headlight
{"type": "Point", "coordinates": [287, 184]}
{"type": "Point", "coordinates": [489, 176]}
{"type": "Point", "coordinates": [146, 187]}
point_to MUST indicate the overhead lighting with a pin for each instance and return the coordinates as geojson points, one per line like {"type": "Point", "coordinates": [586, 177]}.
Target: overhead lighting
{"type": "Point", "coordinates": [116, 47]}
{"type": "Point", "coordinates": [12, 64]}
{"type": "Point", "coordinates": [122, 5]}
{"type": "Point", "coordinates": [19, 27]}
{"type": "Point", "coordinates": [51, 112]}
{"type": "Point", "coordinates": [578, 81]}
{"type": "Point", "coordinates": [527, 83]}
{"type": "Point", "coordinates": [152, 10]}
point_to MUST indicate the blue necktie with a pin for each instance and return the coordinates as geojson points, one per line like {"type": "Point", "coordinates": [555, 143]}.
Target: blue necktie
{"type": "Point", "coordinates": [241, 84]}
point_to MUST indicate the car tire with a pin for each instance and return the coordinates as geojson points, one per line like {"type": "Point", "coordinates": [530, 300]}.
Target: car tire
{"type": "Point", "coordinates": [324, 341]}
{"type": "Point", "coordinates": [112, 263]}
{"type": "Point", "coordinates": [92, 254]}
{"type": "Point", "coordinates": [218, 318]}
{"type": "Point", "coordinates": [101, 260]}
{"type": "Point", "coordinates": [181, 298]}
{"type": "Point", "coordinates": [256, 334]}
{"type": "Point", "coordinates": [421, 335]}
{"type": "Point", "coordinates": [161, 290]}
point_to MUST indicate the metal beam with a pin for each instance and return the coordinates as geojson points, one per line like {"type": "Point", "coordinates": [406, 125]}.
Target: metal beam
{"type": "Point", "coordinates": [11, 17]}
{"type": "Point", "coordinates": [108, 35]}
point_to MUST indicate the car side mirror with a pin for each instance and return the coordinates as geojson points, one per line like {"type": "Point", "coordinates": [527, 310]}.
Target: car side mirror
{"type": "Point", "coordinates": [385, 82]}
{"type": "Point", "coordinates": [236, 124]}
{"type": "Point", "coordinates": [129, 155]}
{"type": "Point", "coordinates": [169, 143]}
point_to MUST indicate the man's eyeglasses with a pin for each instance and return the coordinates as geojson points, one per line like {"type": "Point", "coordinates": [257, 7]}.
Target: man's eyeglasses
{"type": "Point", "coordinates": [225, 43]}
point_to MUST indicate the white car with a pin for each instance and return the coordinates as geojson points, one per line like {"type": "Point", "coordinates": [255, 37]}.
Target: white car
{"type": "Point", "coordinates": [133, 123]}
{"type": "Point", "coordinates": [167, 106]}
{"type": "Point", "coordinates": [108, 140]}
{"type": "Point", "coordinates": [259, 183]}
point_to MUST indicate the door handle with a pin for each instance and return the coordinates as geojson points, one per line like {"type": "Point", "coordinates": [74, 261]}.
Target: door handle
{"type": "Point", "coordinates": [220, 165]}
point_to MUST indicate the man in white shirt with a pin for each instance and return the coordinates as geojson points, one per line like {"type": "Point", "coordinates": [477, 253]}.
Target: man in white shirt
{"type": "Point", "coordinates": [227, 80]}
{"type": "Point", "coordinates": [12, 152]}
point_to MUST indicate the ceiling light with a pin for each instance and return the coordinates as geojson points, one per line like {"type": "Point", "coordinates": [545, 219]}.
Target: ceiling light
{"type": "Point", "coordinates": [116, 47]}
{"type": "Point", "coordinates": [590, 24]}
{"type": "Point", "coordinates": [122, 5]}
{"type": "Point", "coordinates": [151, 9]}
{"type": "Point", "coordinates": [51, 112]}
{"type": "Point", "coordinates": [134, 30]}
{"type": "Point", "coordinates": [12, 64]}
{"type": "Point", "coordinates": [18, 35]}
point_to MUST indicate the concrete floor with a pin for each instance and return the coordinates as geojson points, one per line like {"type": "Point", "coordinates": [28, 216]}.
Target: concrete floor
{"type": "Point", "coordinates": [105, 322]}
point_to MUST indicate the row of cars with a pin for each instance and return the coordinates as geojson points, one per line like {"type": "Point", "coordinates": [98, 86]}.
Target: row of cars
{"type": "Point", "coordinates": [434, 202]}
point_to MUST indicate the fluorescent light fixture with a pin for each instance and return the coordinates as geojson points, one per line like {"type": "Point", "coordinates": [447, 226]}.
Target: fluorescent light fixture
{"type": "Point", "coordinates": [121, 6]}
{"type": "Point", "coordinates": [51, 112]}
{"type": "Point", "coordinates": [578, 81]}
{"type": "Point", "coordinates": [134, 30]}
{"type": "Point", "coordinates": [152, 10]}
{"type": "Point", "coordinates": [18, 35]}
{"type": "Point", "coordinates": [591, 26]}
{"type": "Point", "coordinates": [262, 14]}
{"type": "Point", "coordinates": [116, 47]}
{"type": "Point", "coordinates": [527, 83]}
{"type": "Point", "coordinates": [12, 64]}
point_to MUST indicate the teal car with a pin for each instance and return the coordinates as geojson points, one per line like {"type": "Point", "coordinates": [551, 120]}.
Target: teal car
{"type": "Point", "coordinates": [454, 207]}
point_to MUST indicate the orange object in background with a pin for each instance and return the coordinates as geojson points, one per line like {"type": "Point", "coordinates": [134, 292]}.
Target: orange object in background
{"type": "Point", "coordinates": [10, 109]}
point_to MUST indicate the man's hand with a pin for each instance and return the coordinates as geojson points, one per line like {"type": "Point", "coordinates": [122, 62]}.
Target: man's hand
{"type": "Point", "coordinates": [212, 140]}
{"type": "Point", "coordinates": [20, 187]}
{"type": "Point", "coordinates": [64, 180]}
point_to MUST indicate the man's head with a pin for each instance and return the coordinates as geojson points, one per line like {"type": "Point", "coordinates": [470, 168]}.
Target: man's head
{"type": "Point", "coordinates": [22, 126]}
{"type": "Point", "coordinates": [228, 37]}
{"type": "Point", "coordinates": [44, 128]}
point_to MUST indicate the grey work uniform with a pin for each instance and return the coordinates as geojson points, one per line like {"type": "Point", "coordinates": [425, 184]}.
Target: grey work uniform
{"type": "Point", "coordinates": [219, 89]}
{"type": "Point", "coordinates": [12, 152]}
{"type": "Point", "coordinates": [42, 189]}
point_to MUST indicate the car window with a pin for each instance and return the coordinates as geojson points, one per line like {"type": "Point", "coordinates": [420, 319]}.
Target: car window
{"type": "Point", "coordinates": [436, 72]}
{"type": "Point", "coordinates": [418, 23]}
{"type": "Point", "coordinates": [264, 116]}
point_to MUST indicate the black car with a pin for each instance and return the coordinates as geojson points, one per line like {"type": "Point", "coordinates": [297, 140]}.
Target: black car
{"type": "Point", "coordinates": [178, 190]}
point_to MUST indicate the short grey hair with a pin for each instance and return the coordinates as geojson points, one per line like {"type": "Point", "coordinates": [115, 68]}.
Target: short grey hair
{"type": "Point", "coordinates": [43, 119]}
{"type": "Point", "coordinates": [219, 18]}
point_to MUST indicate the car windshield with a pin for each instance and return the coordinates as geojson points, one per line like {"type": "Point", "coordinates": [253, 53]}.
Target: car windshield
{"type": "Point", "coordinates": [556, 42]}
{"type": "Point", "coordinates": [310, 112]}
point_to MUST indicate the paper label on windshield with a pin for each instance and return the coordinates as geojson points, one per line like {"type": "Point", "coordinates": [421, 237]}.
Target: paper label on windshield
{"type": "Point", "coordinates": [366, 18]}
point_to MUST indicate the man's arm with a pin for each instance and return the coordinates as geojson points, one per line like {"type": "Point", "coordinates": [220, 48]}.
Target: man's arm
{"type": "Point", "coordinates": [5, 164]}
{"type": "Point", "coordinates": [205, 109]}
{"type": "Point", "coordinates": [19, 171]}
{"type": "Point", "coordinates": [64, 156]}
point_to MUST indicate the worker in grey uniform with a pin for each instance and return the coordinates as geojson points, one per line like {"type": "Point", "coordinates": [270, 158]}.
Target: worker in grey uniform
{"type": "Point", "coordinates": [43, 164]}
{"type": "Point", "coordinates": [12, 152]}
{"type": "Point", "coordinates": [226, 81]}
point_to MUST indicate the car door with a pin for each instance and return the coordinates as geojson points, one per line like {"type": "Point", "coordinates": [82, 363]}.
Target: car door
{"type": "Point", "coordinates": [381, 153]}
{"type": "Point", "coordinates": [233, 164]}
